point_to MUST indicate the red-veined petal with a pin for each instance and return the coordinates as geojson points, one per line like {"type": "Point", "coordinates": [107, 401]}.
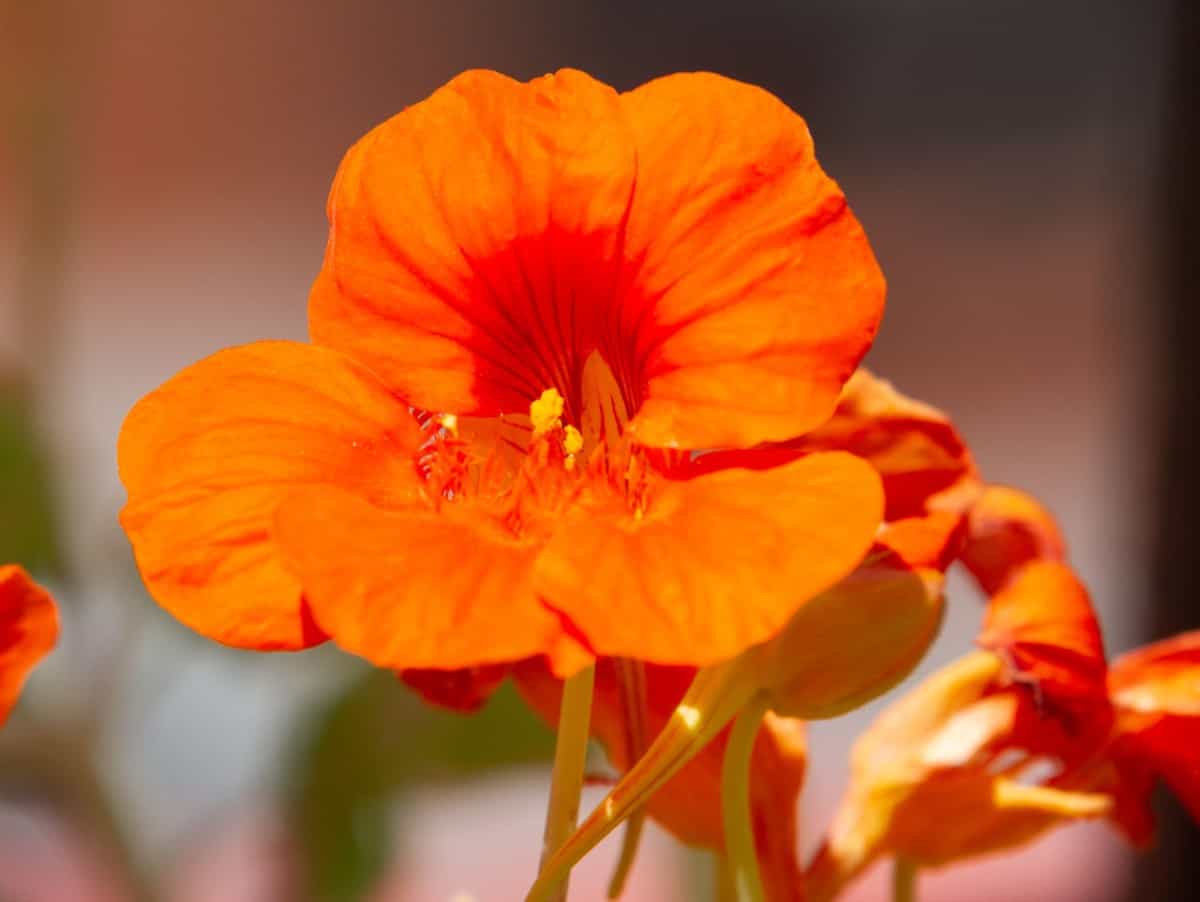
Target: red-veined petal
{"type": "Point", "coordinates": [753, 292]}
{"type": "Point", "coordinates": [474, 241]}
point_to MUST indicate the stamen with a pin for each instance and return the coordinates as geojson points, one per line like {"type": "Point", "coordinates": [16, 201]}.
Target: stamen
{"type": "Point", "coordinates": [572, 445]}
{"type": "Point", "coordinates": [546, 412]}
{"type": "Point", "coordinates": [572, 440]}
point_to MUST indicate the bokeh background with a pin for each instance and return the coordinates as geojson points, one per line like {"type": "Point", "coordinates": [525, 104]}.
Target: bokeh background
{"type": "Point", "coordinates": [1026, 173]}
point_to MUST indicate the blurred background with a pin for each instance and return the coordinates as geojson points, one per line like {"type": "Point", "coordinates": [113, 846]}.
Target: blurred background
{"type": "Point", "coordinates": [1021, 167]}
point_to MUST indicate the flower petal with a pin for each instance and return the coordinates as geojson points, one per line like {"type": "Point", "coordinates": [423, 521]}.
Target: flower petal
{"type": "Point", "coordinates": [209, 456]}
{"type": "Point", "coordinates": [933, 540]}
{"type": "Point", "coordinates": [474, 241]}
{"type": "Point", "coordinates": [464, 690]}
{"type": "Point", "coordinates": [938, 756]}
{"type": "Point", "coordinates": [1043, 625]}
{"type": "Point", "coordinates": [485, 242]}
{"type": "Point", "coordinates": [28, 631]}
{"type": "Point", "coordinates": [418, 588]}
{"type": "Point", "coordinates": [924, 462]}
{"type": "Point", "coordinates": [714, 564]}
{"type": "Point", "coordinates": [1161, 678]}
{"type": "Point", "coordinates": [1157, 693]}
{"type": "Point", "coordinates": [926, 467]}
{"type": "Point", "coordinates": [889, 768]}
{"type": "Point", "coordinates": [752, 292]}
{"type": "Point", "coordinates": [1006, 529]}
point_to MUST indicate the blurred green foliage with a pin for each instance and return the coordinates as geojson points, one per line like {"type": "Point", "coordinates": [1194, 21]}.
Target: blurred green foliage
{"type": "Point", "coordinates": [365, 747]}
{"type": "Point", "coordinates": [28, 525]}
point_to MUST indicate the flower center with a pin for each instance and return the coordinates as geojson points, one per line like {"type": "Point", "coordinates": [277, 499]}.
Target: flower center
{"type": "Point", "coordinates": [524, 477]}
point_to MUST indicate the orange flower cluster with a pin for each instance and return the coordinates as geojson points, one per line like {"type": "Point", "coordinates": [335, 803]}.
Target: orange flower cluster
{"type": "Point", "coordinates": [584, 388]}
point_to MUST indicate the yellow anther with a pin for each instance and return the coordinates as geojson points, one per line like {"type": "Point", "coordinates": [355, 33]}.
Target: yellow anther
{"type": "Point", "coordinates": [572, 440]}
{"type": "Point", "coordinates": [546, 412]}
{"type": "Point", "coordinates": [449, 422]}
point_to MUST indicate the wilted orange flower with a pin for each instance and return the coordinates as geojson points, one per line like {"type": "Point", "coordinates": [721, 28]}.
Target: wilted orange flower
{"type": "Point", "coordinates": [1007, 743]}
{"type": "Point", "coordinates": [28, 630]}
{"type": "Point", "coordinates": [536, 300]}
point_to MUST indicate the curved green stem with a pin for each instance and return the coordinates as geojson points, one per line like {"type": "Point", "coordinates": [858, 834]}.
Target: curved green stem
{"type": "Point", "coordinates": [715, 697]}
{"type": "Point", "coordinates": [735, 803]}
{"type": "Point", "coordinates": [570, 758]}
{"type": "Point", "coordinates": [631, 680]}
{"type": "Point", "coordinates": [723, 879]}
{"type": "Point", "coordinates": [629, 847]}
{"type": "Point", "coordinates": [904, 880]}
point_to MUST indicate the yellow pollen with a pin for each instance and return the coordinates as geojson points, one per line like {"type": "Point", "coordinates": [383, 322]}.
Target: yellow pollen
{"type": "Point", "coordinates": [546, 412]}
{"type": "Point", "coordinates": [449, 422]}
{"type": "Point", "coordinates": [572, 440]}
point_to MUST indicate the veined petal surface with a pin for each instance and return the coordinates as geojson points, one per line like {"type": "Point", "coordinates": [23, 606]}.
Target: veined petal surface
{"type": "Point", "coordinates": [209, 456]}
{"type": "Point", "coordinates": [713, 564]}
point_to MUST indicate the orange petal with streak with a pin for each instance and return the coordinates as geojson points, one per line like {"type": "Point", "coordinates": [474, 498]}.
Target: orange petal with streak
{"type": "Point", "coordinates": [474, 241]}
{"type": "Point", "coordinates": [209, 456]}
{"type": "Point", "coordinates": [485, 242]}
{"type": "Point", "coordinates": [753, 292]}
{"type": "Point", "coordinates": [715, 564]}
{"type": "Point", "coordinates": [28, 631]}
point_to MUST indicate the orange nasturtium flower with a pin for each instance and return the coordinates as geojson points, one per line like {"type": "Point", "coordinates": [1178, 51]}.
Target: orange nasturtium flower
{"type": "Point", "coordinates": [536, 299]}
{"type": "Point", "coordinates": [28, 631]}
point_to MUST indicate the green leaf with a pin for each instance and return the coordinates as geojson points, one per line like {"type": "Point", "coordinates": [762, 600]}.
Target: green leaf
{"type": "Point", "coordinates": [28, 525]}
{"type": "Point", "coordinates": [367, 745]}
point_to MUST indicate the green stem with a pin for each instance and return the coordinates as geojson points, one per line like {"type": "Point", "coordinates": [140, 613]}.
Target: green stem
{"type": "Point", "coordinates": [629, 847]}
{"type": "Point", "coordinates": [570, 757]}
{"type": "Point", "coordinates": [904, 880]}
{"type": "Point", "coordinates": [735, 803]}
{"type": "Point", "coordinates": [715, 697]}
{"type": "Point", "coordinates": [631, 680]}
{"type": "Point", "coordinates": [724, 889]}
